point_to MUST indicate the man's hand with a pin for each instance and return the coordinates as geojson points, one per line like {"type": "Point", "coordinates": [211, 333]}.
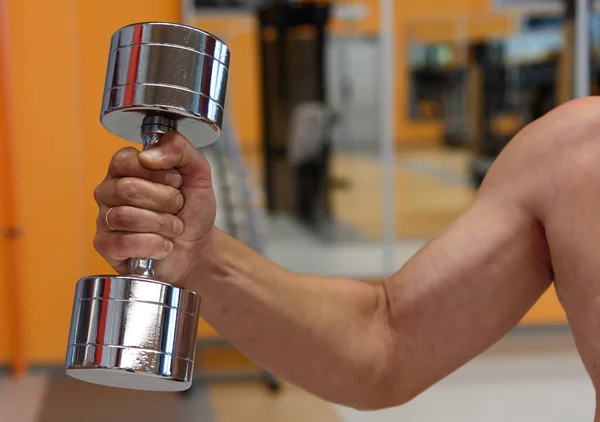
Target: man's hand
{"type": "Point", "coordinates": [156, 204]}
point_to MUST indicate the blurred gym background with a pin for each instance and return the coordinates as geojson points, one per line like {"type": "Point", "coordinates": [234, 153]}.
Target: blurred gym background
{"type": "Point", "coordinates": [356, 130]}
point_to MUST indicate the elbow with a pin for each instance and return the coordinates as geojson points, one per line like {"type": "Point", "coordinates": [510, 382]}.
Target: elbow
{"type": "Point", "coordinates": [380, 382]}
{"type": "Point", "coordinates": [387, 378]}
{"type": "Point", "coordinates": [379, 371]}
{"type": "Point", "coordinates": [381, 399]}
{"type": "Point", "coordinates": [375, 405]}
{"type": "Point", "coordinates": [388, 394]}
{"type": "Point", "coordinates": [392, 379]}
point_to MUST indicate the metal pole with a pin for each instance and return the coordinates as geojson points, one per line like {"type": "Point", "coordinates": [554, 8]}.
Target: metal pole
{"type": "Point", "coordinates": [187, 9]}
{"type": "Point", "coordinates": [582, 63]}
{"type": "Point", "coordinates": [462, 41]}
{"type": "Point", "coordinates": [10, 232]}
{"type": "Point", "coordinates": [387, 147]}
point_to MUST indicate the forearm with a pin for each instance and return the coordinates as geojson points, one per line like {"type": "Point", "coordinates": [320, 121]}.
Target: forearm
{"type": "Point", "coordinates": [324, 335]}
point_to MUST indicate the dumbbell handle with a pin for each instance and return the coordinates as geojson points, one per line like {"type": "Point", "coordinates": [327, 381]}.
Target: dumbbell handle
{"type": "Point", "coordinates": [153, 128]}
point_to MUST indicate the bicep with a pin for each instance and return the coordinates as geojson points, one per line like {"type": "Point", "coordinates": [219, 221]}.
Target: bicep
{"type": "Point", "coordinates": [465, 290]}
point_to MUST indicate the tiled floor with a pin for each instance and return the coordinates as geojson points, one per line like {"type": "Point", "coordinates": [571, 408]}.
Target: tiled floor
{"type": "Point", "coordinates": [431, 190]}
{"type": "Point", "coordinates": [22, 400]}
{"type": "Point", "coordinates": [66, 398]}
{"type": "Point", "coordinates": [251, 403]}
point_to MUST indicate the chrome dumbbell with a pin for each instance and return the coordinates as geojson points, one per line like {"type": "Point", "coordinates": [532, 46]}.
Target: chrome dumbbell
{"type": "Point", "coordinates": [133, 331]}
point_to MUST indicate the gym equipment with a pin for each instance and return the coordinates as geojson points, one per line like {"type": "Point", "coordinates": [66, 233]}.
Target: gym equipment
{"type": "Point", "coordinates": [293, 73]}
{"type": "Point", "coordinates": [133, 331]}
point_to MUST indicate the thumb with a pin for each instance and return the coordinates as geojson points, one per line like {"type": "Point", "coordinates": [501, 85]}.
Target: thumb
{"type": "Point", "coordinates": [173, 150]}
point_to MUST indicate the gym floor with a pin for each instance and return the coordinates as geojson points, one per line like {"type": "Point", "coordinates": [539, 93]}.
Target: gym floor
{"type": "Point", "coordinates": [431, 187]}
{"type": "Point", "coordinates": [526, 377]}
{"type": "Point", "coordinates": [532, 374]}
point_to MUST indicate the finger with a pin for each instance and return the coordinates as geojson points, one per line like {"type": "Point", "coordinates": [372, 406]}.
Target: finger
{"type": "Point", "coordinates": [139, 193]}
{"type": "Point", "coordinates": [138, 220]}
{"type": "Point", "coordinates": [117, 247]}
{"type": "Point", "coordinates": [125, 163]}
{"type": "Point", "coordinates": [175, 151]}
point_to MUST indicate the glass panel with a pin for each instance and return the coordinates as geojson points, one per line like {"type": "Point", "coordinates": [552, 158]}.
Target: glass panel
{"type": "Point", "coordinates": [313, 159]}
{"type": "Point", "coordinates": [436, 143]}
{"type": "Point", "coordinates": [595, 47]}
{"type": "Point", "coordinates": [473, 83]}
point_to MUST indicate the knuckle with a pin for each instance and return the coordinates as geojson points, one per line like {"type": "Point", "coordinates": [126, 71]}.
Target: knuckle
{"type": "Point", "coordinates": [165, 199]}
{"type": "Point", "coordinates": [150, 245]}
{"type": "Point", "coordinates": [107, 245]}
{"type": "Point", "coordinates": [98, 194]}
{"type": "Point", "coordinates": [175, 142]}
{"type": "Point", "coordinates": [122, 218]}
{"type": "Point", "coordinates": [121, 160]}
{"type": "Point", "coordinates": [165, 224]}
{"type": "Point", "coordinates": [179, 142]}
{"type": "Point", "coordinates": [98, 244]}
{"type": "Point", "coordinates": [126, 189]}
{"type": "Point", "coordinates": [120, 244]}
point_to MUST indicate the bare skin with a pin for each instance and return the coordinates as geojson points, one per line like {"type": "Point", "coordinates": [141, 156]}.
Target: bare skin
{"type": "Point", "coordinates": [533, 222]}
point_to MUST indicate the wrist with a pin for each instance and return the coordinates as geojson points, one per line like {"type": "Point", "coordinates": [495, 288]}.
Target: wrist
{"type": "Point", "coordinates": [209, 263]}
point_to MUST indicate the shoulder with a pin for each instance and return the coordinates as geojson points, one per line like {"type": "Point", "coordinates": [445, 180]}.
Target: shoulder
{"type": "Point", "coordinates": [553, 154]}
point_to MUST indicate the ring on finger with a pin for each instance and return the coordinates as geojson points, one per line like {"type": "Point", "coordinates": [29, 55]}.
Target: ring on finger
{"type": "Point", "coordinates": [106, 219]}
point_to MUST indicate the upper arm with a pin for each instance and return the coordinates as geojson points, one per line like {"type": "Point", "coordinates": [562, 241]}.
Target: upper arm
{"type": "Point", "coordinates": [467, 287]}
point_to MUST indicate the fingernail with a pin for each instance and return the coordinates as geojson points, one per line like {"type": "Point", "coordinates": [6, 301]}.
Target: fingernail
{"type": "Point", "coordinates": [174, 179]}
{"type": "Point", "coordinates": [168, 246]}
{"type": "Point", "coordinates": [153, 154]}
{"type": "Point", "coordinates": [177, 226]}
{"type": "Point", "coordinates": [179, 201]}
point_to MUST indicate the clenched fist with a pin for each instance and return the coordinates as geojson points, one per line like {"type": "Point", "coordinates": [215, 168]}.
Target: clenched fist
{"type": "Point", "coordinates": [156, 204]}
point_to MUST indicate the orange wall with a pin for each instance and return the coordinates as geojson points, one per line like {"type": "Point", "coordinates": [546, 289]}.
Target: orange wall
{"type": "Point", "coordinates": [46, 112]}
{"type": "Point", "coordinates": [42, 160]}
{"type": "Point", "coordinates": [59, 53]}
{"type": "Point", "coordinates": [547, 311]}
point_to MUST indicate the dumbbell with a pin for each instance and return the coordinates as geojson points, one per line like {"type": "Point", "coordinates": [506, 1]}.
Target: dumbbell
{"type": "Point", "coordinates": [133, 331]}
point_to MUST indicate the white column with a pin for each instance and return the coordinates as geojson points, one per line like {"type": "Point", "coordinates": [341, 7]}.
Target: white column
{"type": "Point", "coordinates": [582, 63]}
{"type": "Point", "coordinates": [387, 142]}
{"type": "Point", "coordinates": [187, 10]}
